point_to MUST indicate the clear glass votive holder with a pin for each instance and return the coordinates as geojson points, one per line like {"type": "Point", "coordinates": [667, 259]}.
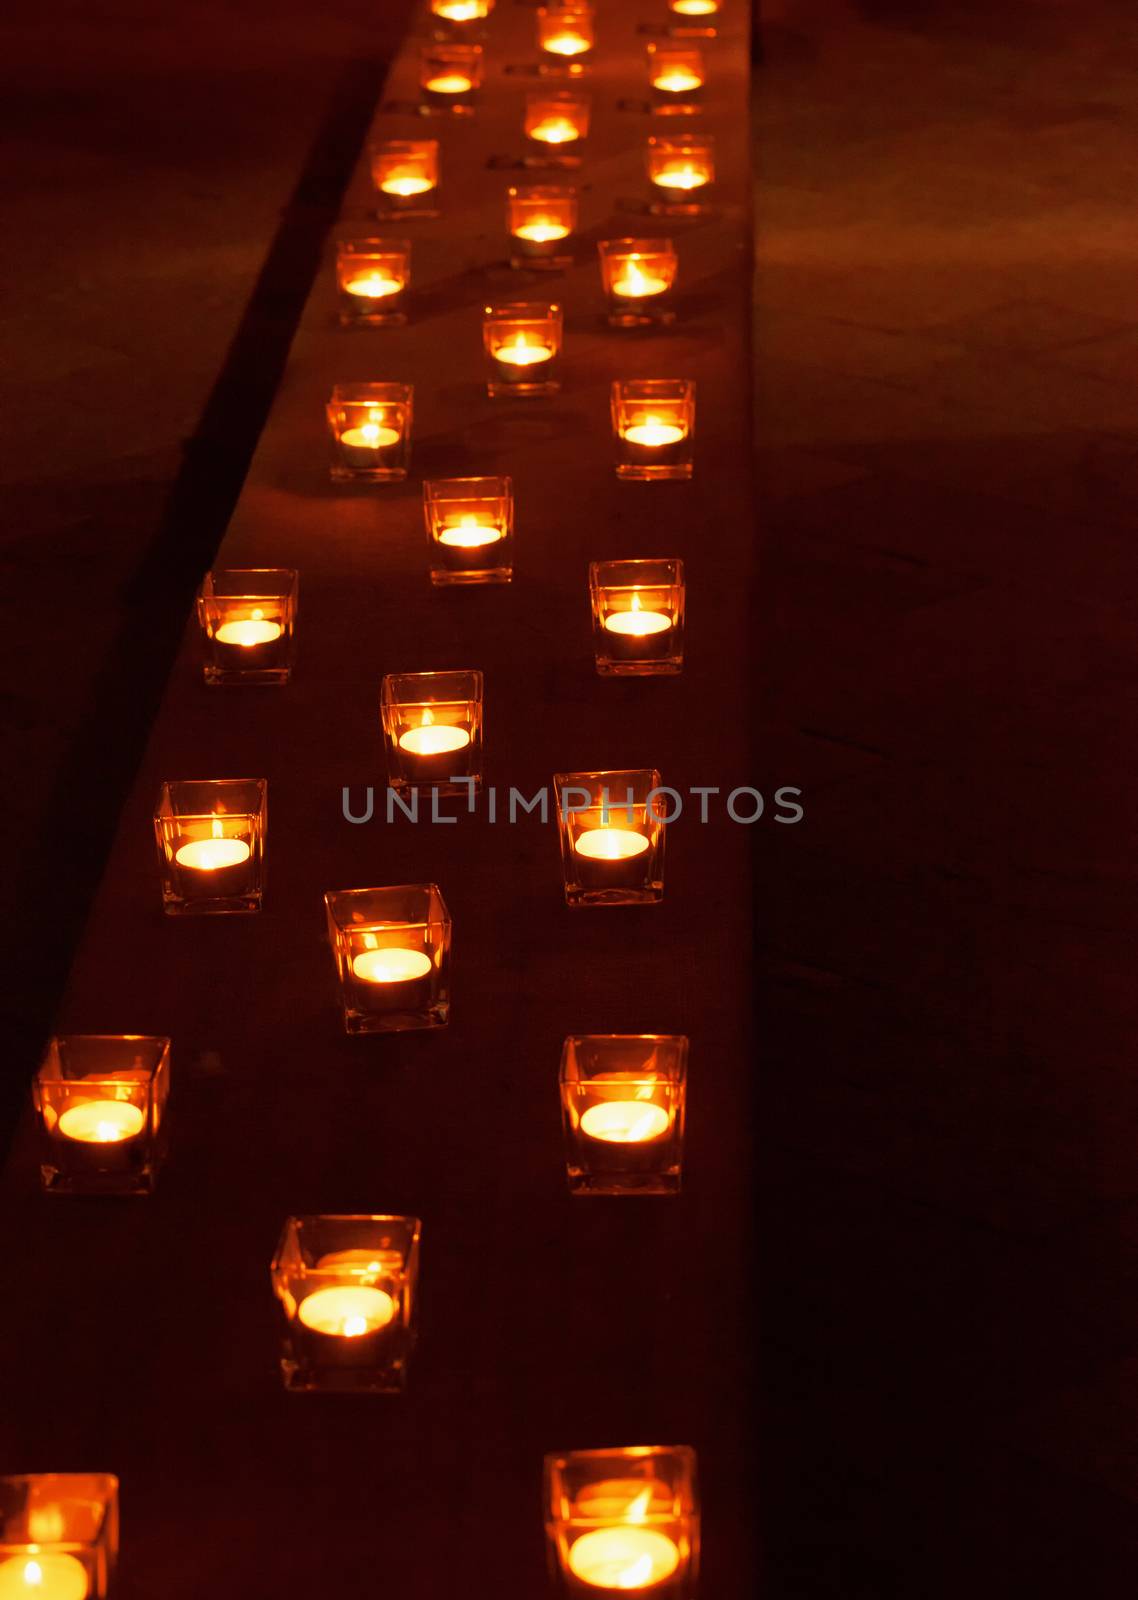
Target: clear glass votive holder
{"type": "Point", "coordinates": [541, 219]}
{"type": "Point", "coordinates": [59, 1535]}
{"type": "Point", "coordinates": [523, 348]}
{"type": "Point", "coordinates": [369, 425]}
{"type": "Point", "coordinates": [623, 1519]}
{"type": "Point", "coordinates": [450, 76]}
{"type": "Point", "coordinates": [622, 1110]}
{"type": "Point", "coordinates": [566, 31]}
{"type": "Point", "coordinates": [638, 276]}
{"type": "Point", "coordinates": [405, 173]}
{"type": "Point", "coordinates": [676, 74]}
{"type": "Point", "coordinates": [392, 952]}
{"type": "Point", "coordinates": [556, 119]}
{"type": "Point", "coordinates": [470, 529]}
{"type": "Point", "coordinates": [681, 171]}
{"type": "Point", "coordinates": [653, 425]}
{"type": "Point", "coordinates": [100, 1103]}
{"type": "Point", "coordinates": [432, 728]}
{"type": "Point", "coordinates": [638, 617]}
{"type": "Point", "coordinates": [612, 837]}
{"type": "Point", "coordinates": [372, 276]}
{"type": "Point", "coordinates": [460, 21]}
{"type": "Point", "coordinates": [211, 845]}
{"type": "Point", "coordinates": [348, 1291]}
{"type": "Point", "coordinates": [248, 623]}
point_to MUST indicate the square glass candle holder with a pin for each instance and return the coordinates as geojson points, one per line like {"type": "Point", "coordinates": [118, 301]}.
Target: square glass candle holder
{"type": "Point", "coordinates": [653, 426]}
{"type": "Point", "coordinates": [638, 617]}
{"type": "Point", "coordinates": [460, 21]}
{"type": "Point", "coordinates": [612, 837]}
{"type": "Point", "coordinates": [372, 276]}
{"type": "Point", "coordinates": [405, 173]}
{"type": "Point", "coordinates": [541, 219]}
{"type": "Point", "coordinates": [470, 529]}
{"type": "Point", "coordinates": [248, 623]}
{"type": "Point", "coordinates": [59, 1535]}
{"type": "Point", "coordinates": [100, 1102]}
{"type": "Point", "coordinates": [211, 845]}
{"type": "Point", "coordinates": [681, 171]}
{"type": "Point", "coordinates": [450, 76]}
{"type": "Point", "coordinates": [348, 1290]}
{"type": "Point", "coordinates": [369, 425]}
{"type": "Point", "coordinates": [676, 74]}
{"type": "Point", "coordinates": [638, 276]}
{"type": "Point", "coordinates": [622, 1108]}
{"type": "Point", "coordinates": [432, 727]}
{"type": "Point", "coordinates": [392, 952]}
{"type": "Point", "coordinates": [557, 120]}
{"type": "Point", "coordinates": [623, 1519]}
{"type": "Point", "coordinates": [566, 31]}
{"type": "Point", "coordinates": [523, 348]}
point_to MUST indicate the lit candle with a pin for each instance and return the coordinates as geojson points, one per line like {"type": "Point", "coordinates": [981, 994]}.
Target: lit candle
{"type": "Point", "coordinates": [654, 433]}
{"type": "Point", "coordinates": [636, 284]}
{"type": "Point", "coordinates": [101, 1122]}
{"type": "Point", "coordinates": [694, 8]}
{"type": "Point", "coordinates": [374, 286]}
{"type": "Point", "coordinates": [541, 232]}
{"type": "Point", "coordinates": [449, 83]}
{"type": "Point", "coordinates": [249, 631]}
{"type": "Point", "coordinates": [405, 184]}
{"type": "Point", "coordinates": [625, 1121]}
{"type": "Point", "coordinates": [433, 739]}
{"type": "Point", "coordinates": [637, 622]}
{"type": "Point", "coordinates": [212, 854]}
{"type": "Point", "coordinates": [610, 844]}
{"type": "Point", "coordinates": [555, 130]}
{"type": "Point", "coordinates": [469, 533]}
{"type": "Point", "coordinates": [395, 964]}
{"type": "Point", "coordinates": [43, 1575]}
{"type": "Point", "coordinates": [365, 445]}
{"type": "Point", "coordinates": [460, 10]}
{"type": "Point", "coordinates": [567, 43]}
{"type": "Point", "coordinates": [681, 175]}
{"type": "Point", "coordinates": [346, 1311]}
{"type": "Point", "coordinates": [523, 352]}
{"type": "Point", "coordinates": [676, 80]}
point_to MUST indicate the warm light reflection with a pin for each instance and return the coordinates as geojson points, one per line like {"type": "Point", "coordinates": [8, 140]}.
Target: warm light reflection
{"type": "Point", "coordinates": [395, 964]}
{"type": "Point", "coordinates": [210, 855]}
{"type": "Point", "coordinates": [625, 1122]}
{"type": "Point", "coordinates": [610, 844]}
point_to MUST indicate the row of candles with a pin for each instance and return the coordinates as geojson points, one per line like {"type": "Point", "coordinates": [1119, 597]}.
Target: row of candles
{"type": "Point", "coordinates": [618, 1519]}
{"type": "Point", "coordinates": [615, 1519]}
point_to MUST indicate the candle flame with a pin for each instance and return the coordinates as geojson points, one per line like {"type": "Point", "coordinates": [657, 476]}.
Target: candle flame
{"type": "Point", "coordinates": [635, 606]}
{"type": "Point", "coordinates": [638, 1508]}
{"type": "Point", "coordinates": [33, 1574]}
{"type": "Point", "coordinates": [217, 831]}
{"type": "Point", "coordinates": [354, 1326]}
{"type": "Point", "coordinates": [427, 720]}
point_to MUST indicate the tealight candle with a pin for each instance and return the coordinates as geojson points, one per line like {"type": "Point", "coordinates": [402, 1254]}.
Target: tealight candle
{"type": "Point", "coordinates": [539, 218]}
{"type": "Point", "coordinates": [213, 854]}
{"type": "Point", "coordinates": [653, 427]}
{"type": "Point", "coordinates": [394, 964]}
{"type": "Point", "coordinates": [470, 523]}
{"type": "Point", "coordinates": [555, 130]}
{"type": "Point", "coordinates": [638, 617]}
{"type": "Point", "coordinates": [677, 169]}
{"type": "Point", "coordinates": [210, 836]}
{"type": "Point", "coordinates": [676, 76]}
{"type": "Point", "coordinates": [102, 1121]}
{"type": "Point", "coordinates": [44, 1575]}
{"type": "Point", "coordinates": [541, 232]}
{"type": "Point", "coordinates": [625, 1121]}
{"type": "Point", "coordinates": [653, 433]}
{"type": "Point", "coordinates": [247, 632]}
{"type": "Point", "coordinates": [370, 427]}
{"type": "Point", "coordinates": [433, 739]}
{"type": "Point", "coordinates": [623, 1558]}
{"type": "Point", "coordinates": [694, 8]}
{"type": "Point", "coordinates": [461, 10]}
{"type": "Point", "coordinates": [346, 1312]}
{"type": "Point", "coordinates": [449, 76]}
{"type": "Point", "coordinates": [610, 844]}
{"type": "Point", "coordinates": [682, 175]}
{"type": "Point", "coordinates": [635, 284]}
{"type": "Point", "coordinates": [522, 342]}
{"type": "Point", "coordinates": [554, 118]}
{"type": "Point", "coordinates": [637, 275]}
{"type": "Point", "coordinates": [566, 30]}
{"type": "Point", "coordinates": [406, 175]}
{"type": "Point", "coordinates": [449, 83]}
{"type": "Point", "coordinates": [373, 286]}
{"type": "Point", "coordinates": [403, 185]}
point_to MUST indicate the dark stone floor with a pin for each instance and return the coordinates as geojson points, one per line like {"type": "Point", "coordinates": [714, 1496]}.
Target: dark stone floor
{"type": "Point", "coordinates": [948, 405]}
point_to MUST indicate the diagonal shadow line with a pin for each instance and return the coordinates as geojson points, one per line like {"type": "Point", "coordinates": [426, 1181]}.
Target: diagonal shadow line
{"type": "Point", "coordinates": [55, 886]}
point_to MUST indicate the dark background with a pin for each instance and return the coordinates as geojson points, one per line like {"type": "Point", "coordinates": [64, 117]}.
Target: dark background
{"type": "Point", "coordinates": [946, 1114]}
